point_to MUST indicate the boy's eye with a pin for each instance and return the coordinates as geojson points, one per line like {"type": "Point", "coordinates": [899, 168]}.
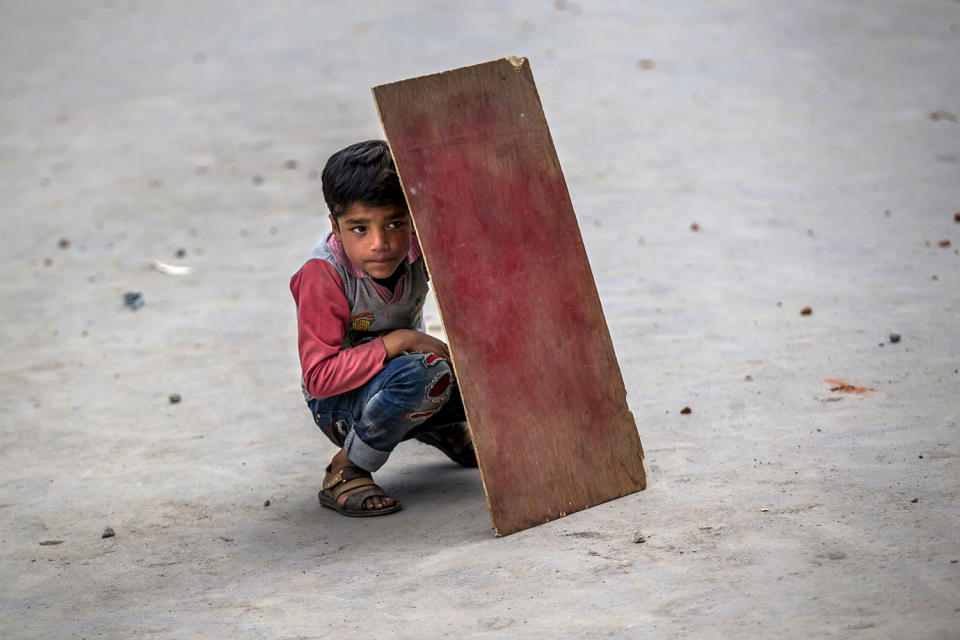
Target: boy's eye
{"type": "Point", "coordinates": [358, 229]}
{"type": "Point", "coordinates": [396, 224]}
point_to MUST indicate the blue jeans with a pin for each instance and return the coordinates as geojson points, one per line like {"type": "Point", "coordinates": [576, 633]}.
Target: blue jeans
{"type": "Point", "coordinates": [414, 393]}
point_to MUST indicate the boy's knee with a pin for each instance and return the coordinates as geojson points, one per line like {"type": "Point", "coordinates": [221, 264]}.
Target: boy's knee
{"type": "Point", "coordinates": [439, 379]}
{"type": "Point", "coordinates": [425, 379]}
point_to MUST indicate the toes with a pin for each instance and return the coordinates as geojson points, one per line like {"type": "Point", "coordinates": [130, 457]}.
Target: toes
{"type": "Point", "coordinates": [377, 502]}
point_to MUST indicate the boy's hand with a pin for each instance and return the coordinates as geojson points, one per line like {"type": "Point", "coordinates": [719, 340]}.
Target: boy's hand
{"type": "Point", "coordinates": [412, 341]}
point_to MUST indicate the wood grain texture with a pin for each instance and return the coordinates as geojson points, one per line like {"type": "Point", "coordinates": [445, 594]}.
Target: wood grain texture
{"type": "Point", "coordinates": [543, 392]}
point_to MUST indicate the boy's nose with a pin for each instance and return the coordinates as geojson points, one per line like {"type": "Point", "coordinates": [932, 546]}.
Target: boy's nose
{"type": "Point", "coordinates": [378, 240]}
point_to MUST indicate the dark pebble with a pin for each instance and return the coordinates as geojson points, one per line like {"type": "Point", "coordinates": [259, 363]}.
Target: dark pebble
{"type": "Point", "coordinates": [894, 337]}
{"type": "Point", "coordinates": [181, 253]}
{"type": "Point", "coordinates": [914, 500]}
{"type": "Point", "coordinates": [63, 243]}
{"type": "Point", "coordinates": [639, 538]}
{"type": "Point", "coordinates": [133, 299]}
{"type": "Point", "coordinates": [686, 410]}
{"type": "Point", "coordinates": [174, 398]}
{"type": "Point", "coordinates": [266, 503]}
{"type": "Point", "coordinates": [108, 533]}
{"type": "Point", "coordinates": [806, 311]}
{"type": "Point", "coordinates": [50, 543]}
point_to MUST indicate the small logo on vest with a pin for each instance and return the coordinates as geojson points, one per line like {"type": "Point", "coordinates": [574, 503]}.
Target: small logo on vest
{"type": "Point", "coordinates": [361, 322]}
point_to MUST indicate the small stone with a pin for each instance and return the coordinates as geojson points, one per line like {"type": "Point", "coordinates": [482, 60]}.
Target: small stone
{"type": "Point", "coordinates": [686, 410]}
{"type": "Point", "coordinates": [694, 226]}
{"type": "Point", "coordinates": [894, 337]}
{"type": "Point", "coordinates": [748, 378]}
{"type": "Point", "coordinates": [174, 398]}
{"type": "Point", "coordinates": [956, 216]}
{"type": "Point", "coordinates": [639, 538]}
{"type": "Point", "coordinates": [50, 543]}
{"type": "Point", "coordinates": [133, 299]}
{"type": "Point", "coordinates": [181, 253]}
{"type": "Point", "coordinates": [108, 533]}
{"type": "Point", "coordinates": [920, 456]}
{"type": "Point", "coordinates": [934, 277]}
{"type": "Point", "coordinates": [63, 243]}
{"type": "Point", "coordinates": [266, 502]}
{"type": "Point", "coordinates": [806, 311]}
{"type": "Point", "coordinates": [914, 500]}
{"type": "Point", "coordinates": [944, 243]}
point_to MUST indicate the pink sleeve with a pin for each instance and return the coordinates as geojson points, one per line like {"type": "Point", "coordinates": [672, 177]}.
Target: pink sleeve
{"type": "Point", "coordinates": [322, 316]}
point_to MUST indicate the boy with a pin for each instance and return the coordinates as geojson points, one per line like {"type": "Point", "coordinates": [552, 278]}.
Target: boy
{"type": "Point", "coordinates": [371, 377]}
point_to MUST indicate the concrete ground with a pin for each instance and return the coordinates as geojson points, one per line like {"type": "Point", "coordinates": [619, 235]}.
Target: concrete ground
{"type": "Point", "coordinates": [814, 143]}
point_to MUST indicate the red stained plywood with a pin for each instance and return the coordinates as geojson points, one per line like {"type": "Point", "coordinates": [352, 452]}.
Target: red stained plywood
{"type": "Point", "coordinates": [544, 396]}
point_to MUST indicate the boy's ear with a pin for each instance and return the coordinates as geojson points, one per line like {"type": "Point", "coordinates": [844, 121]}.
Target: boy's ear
{"type": "Point", "coordinates": [335, 227]}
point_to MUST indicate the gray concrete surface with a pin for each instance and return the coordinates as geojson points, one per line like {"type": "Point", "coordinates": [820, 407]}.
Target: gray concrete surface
{"type": "Point", "coordinates": [797, 135]}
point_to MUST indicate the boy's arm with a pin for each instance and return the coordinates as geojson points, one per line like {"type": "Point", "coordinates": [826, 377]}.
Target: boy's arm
{"type": "Point", "coordinates": [413, 341]}
{"type": "Point", "coordinates": [322, 316]}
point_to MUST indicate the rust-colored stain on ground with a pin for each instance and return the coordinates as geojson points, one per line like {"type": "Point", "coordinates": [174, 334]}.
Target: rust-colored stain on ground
{"type": "Point", "coordinates": [846, 387]}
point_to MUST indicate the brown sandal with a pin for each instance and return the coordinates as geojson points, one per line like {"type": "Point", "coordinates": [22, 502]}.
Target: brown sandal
{"type": "Point", "coordinates": [348, 489]}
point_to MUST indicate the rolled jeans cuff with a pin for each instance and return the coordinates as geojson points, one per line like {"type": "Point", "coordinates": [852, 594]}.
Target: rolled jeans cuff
{"type": "Point", "coordinates": [362, 454]}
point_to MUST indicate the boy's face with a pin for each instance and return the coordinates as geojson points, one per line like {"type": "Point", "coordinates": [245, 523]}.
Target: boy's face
{"type": "Point", "coordinates": [376, 239]}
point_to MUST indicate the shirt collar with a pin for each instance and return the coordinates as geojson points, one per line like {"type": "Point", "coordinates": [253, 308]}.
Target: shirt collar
{"type": "Point", "coordinates": [341, 255]}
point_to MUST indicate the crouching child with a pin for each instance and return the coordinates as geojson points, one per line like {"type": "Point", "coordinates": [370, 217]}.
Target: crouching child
{"type": "Point", "coordinates": [372, 377]}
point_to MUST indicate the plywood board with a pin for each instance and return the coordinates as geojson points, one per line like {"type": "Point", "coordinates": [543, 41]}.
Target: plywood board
{"type": "Point", "coordinates": [540, 382]}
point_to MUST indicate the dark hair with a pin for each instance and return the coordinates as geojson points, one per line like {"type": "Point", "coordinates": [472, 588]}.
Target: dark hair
{"type": "Point", "coordinates": [363, 172]}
